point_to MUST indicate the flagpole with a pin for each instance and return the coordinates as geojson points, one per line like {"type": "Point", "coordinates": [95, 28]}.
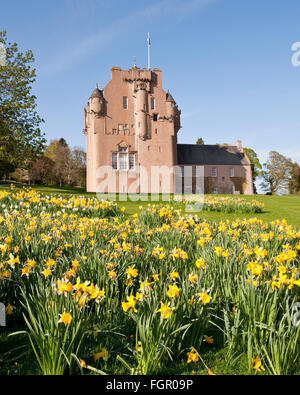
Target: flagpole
{"type": "Point", "coordinates": [149, 66]}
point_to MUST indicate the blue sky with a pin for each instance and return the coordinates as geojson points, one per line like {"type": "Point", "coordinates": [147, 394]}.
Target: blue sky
{"type": "Point", "coordinates": [227, 63]}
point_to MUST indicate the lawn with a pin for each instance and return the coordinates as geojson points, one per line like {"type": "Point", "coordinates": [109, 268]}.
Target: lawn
{"type": "Point", "coordinates": [276, 207]}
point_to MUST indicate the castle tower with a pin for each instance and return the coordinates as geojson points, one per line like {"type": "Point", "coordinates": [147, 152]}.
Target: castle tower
{"type": "Point", "coordinates": [131, 126]}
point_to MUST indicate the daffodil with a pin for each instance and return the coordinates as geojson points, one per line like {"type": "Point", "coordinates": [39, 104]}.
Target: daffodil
{"type": "Point", "coordinates": [192, 356]}
{"type": "Point", "coordinates": [205, 298]}
{"type": "Point", "coordinates": [130, 304]}
{"type": "Point", "coordinates": [165, 310]}
{"type": "Point", "coordinates": [257, 364]}
{"type": "Point", "coordinates": [173, 291]}
{"type": "Point", "coordinates": [200, 263]}
{"type": "Point", "coordinates": [65, 318]}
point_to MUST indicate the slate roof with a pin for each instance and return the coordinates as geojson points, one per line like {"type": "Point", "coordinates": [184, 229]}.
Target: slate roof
{"type": "Point", "coordinates": [170, 97]}
{"type": "Point", "coordinates": [97, 93]}
{"type": "Point", "coordinates": [194, 154]}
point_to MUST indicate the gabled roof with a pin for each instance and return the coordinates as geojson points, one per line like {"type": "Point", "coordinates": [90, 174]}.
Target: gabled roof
{"type": "Point", "coordinates": [193, 154]}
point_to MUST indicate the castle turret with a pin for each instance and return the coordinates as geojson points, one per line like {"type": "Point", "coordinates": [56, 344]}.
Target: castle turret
{"type": "Point", "coordinates": [96, 101]}
{"type": "Point", "coordinates": [141, 110]}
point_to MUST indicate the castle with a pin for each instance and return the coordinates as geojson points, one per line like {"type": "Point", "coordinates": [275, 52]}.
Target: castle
{"type": "Point", "coordinates": [131, 129]}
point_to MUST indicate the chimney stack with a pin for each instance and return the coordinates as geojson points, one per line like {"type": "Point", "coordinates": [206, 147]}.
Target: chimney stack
{"type": "Point", "coordinates": [238, 144]}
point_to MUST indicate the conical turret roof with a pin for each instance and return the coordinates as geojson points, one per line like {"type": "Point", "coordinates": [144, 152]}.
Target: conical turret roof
{"type": "Point", "coordinates": [170, 97]}
{"type": "Point", "coordinates": [97, 93]}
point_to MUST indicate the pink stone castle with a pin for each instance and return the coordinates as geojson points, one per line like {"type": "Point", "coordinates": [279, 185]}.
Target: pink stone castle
{"type": "Point", "coordinates": [131, 131]}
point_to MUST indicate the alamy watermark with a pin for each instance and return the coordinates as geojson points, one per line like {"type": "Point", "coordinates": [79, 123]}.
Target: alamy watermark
{"type": "Point", "coordinates": [2, 314]}
{"type": "Point", "coordinates": [296, 314]}
{"type": "Point", "coordinates": [153, 183]}
{"type": "Point", "coordinates": [296, 56]}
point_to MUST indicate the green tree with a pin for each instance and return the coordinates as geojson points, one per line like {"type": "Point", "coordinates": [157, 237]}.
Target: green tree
{"type": "Point", "coordinates": [255, 165]}
{"type": "Point", "coordinates": [294, 182]}
{"type": "Point", "coordinates": [78, 166]}
{"type": "Point", "coordinates": [21, 140]}
{"type": "Point", "coordinates": [276, 173]}
{"type": "Point", "coordinates": [200, 141]}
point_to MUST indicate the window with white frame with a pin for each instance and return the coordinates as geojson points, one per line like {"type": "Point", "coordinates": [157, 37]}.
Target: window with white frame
{"type": "Point", "coordinates": [214, 172]}
{"type": "Point", "coordinates": [123, 160]}
{"type": "Point", "coordinates": [115, 161]}
{"type": "Point", "coordinates": [131, 161]}
{"type": "Point", "coordinates": [231, 172]}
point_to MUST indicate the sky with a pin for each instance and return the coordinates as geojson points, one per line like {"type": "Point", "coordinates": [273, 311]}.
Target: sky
{"type": "Point", "coordinates": [232, 66]}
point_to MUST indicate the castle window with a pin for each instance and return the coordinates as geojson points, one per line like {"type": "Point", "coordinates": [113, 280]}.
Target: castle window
{"type": "Point", "coordinates": [214, 172]}
{"type": "Point", "coordinates": [131, 161]}
{"type": "Point", "coordinates": [216, 190]}
{"type": "Point", "coordinates": [152, 103]}
{"type": "Point", "coordinates": [155, 131]}
{"type": "Point", "coordinates": [231, 172]}
{"type": "Point", "coordinates": [115, 161]}
{"type": "Point", "coordinates": [125, 102]}
{"type": "Point", "coordinates": [155, 116]}
{"type": "Point", "coordinates": [148, 147]}
{"type": "Point", "coordinates": [123, 158]}
{"type": "Point", "coordinates": [122, 149]}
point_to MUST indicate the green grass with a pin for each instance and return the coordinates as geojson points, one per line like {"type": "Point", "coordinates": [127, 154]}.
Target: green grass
{"type": "Point", "coordinates": [276, 207]}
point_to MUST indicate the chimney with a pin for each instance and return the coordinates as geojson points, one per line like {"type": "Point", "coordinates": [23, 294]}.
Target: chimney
{"type": "Point", "coordinates": [238, 144]}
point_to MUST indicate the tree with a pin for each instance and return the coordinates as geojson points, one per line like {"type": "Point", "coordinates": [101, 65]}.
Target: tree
{"type": "Point", "coordinates": [294, 182]}
{"type": "Point", "coordinates": [276, 173]}
{"type": "Point", "coordinates": [59, 152]}
{"type": "Point", "coordinates": [200, 141]}
{"type": "Point", "coordinates": [78, 166]}
{"type": "Point", "coordinates": [255, 165]}
{"type": "Point", "coordinates": [43, 171]}
{"type": "Point", "coordinates": [21, 140]}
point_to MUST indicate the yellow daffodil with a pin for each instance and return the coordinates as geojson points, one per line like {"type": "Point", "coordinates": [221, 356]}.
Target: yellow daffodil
{"type": "Point", "coordinates": [130, 304]}
{"type": "Point", "coordinates": [65, 318]}
{"type": "Point", "coordinates": [192, 356]}
{"type": "Point", "coordinates": [173, 291]}
{"type": "Point", "coordinates": [165, 310]}
{"type": "Point", "coordinates": [257, 364]}
{"type": "Point", "coordinates": [205, 298]}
